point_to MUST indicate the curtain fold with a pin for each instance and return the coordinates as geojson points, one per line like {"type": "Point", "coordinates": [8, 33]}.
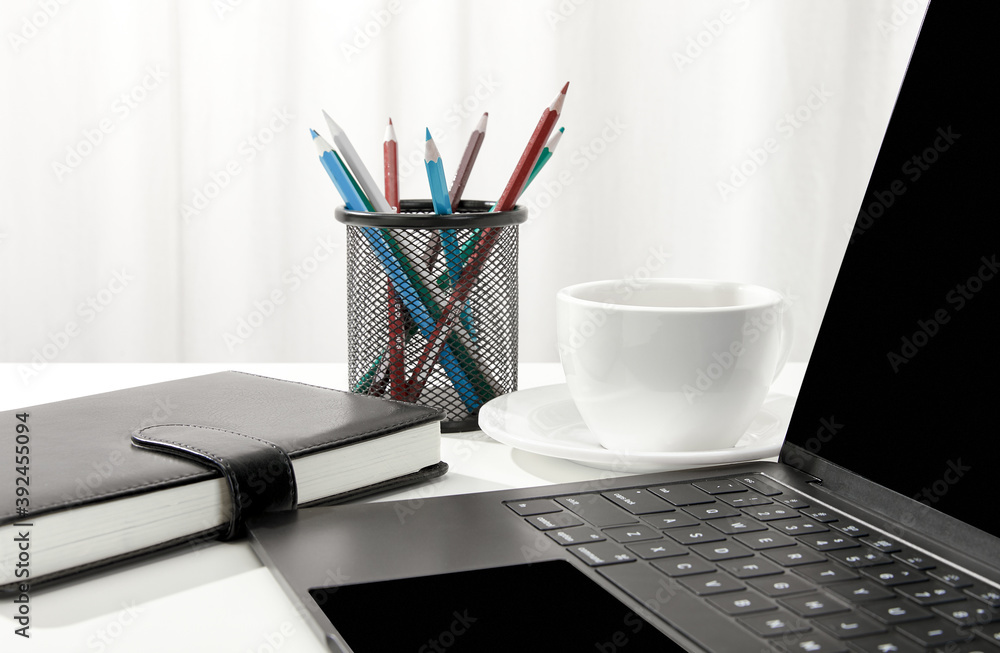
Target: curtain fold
{"type": "Point", "coordinates": [160, 199]}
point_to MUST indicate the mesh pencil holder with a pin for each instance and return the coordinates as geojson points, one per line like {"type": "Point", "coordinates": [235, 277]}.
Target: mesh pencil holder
{"type": "Point", "coordinates": [432, 306]}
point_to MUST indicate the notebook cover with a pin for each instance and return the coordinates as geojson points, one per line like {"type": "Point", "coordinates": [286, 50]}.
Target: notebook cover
{"type": "Point", "coordinates": [81, 449]}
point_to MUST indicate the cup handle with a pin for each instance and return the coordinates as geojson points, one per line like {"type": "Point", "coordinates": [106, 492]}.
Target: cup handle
{"type": "Point", "coordinates": [787, 328]}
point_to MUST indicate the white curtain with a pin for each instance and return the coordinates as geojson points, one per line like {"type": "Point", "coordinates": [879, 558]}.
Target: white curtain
{"type": "Point", "coordinates": [161, 200]}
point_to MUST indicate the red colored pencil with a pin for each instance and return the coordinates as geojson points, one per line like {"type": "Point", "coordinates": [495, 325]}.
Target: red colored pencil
{"type": "Point", "coordinates": [531, 152]}
{"type": "Point", "coordinates": [470, 273]}
{"type": "Point", "coordinates": [389, 151]}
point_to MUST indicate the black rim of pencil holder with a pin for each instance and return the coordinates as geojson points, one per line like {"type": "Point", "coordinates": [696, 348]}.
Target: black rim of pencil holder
{"type": "Point", "coordinates": [391, 319]}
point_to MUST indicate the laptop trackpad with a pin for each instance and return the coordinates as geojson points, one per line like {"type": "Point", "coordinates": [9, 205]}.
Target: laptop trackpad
{"type": "Point", "coordinates": [543, 606]}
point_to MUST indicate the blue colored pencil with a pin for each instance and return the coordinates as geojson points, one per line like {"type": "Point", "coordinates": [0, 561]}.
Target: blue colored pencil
{"type": "Point", "coordinates": [337, 172]}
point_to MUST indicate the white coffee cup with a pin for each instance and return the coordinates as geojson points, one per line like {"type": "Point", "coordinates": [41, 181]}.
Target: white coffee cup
{"type": "Point", "coordinates": [670, 364]}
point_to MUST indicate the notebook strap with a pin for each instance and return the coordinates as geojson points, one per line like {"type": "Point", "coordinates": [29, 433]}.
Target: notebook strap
{"type": "Point", "coordinates": [259, 473]}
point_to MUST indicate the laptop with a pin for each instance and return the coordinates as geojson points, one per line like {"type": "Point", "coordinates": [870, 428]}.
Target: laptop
{"type": "Point", "coordinates": [877, 530]}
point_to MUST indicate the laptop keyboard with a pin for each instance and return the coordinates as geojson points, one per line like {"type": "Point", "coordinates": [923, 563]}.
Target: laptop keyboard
{"type": "Point", "coordinates": [798, 576]}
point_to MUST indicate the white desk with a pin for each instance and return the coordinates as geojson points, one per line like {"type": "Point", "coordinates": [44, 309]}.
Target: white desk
{"type": "Point", "coordinates": [219, 597]}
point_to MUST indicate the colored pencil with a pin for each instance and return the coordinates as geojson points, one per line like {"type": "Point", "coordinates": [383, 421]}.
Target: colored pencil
{"type": "Point", "coordinates": [390, 152]}
{"type": "Point", "coordinates": [488, 236]}
{"type": "Point", "coordinates": [544, 157]}
{"type": "Point", "coordinates": [338, 173]}
{"type": "Point", "coordinates": [397, 344]}
{"type": "Point", "coordinates": [354, 161]}
{"type": "Point", "coordinates": [468, 160]}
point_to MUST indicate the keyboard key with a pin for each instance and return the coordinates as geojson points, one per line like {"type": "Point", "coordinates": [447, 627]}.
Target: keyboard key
{"type": "Point", "coordinates": [637, 502]}
{"type": "Point", "coordinates": [849, 528]}
{"type": "Point", "coordinates": [575, 535]}
{"type": "Point", "coordinates": [967, 613]}
{"type": "Point", "coordinates": [686, 566]}
{"type": "Point", "coordinates": [752, 568]}
{"type": "Point", "coordinates": [985, 593]}
{"type": "Point", "coordinates": [533, 507]}
{"type": "Point", "coordinates": [822, 515]}
{"type": "Point", "coordinates": [792, 500]}
{"type": "Point", "coordinates": [915, 559]}
{"type": "Point", "coordinates": [883, 544]}
{"type": "Point", "coordinates": [860, 558]}
{"type": "Point", "coordinates": [681, 494]}
{"type": "Point", "coordinates": [861, 591]}
{"type": "Point", "coordinates": [893, 574]}
{"type": "Point", "coordinates": [695, 535]}
{"type": "Point", "coordinates": [813, 605]}
{"type": "Point", "coordinates": [934, 632]}
{"type": "Point", "coordinates": [950, 576]}
{"type": "Point", "coordinates": [658, 549]}
{"type": "Point", "coordinates": [713, 583]}
{"type": "Point", "coordinates": [719, 486]}
{"type": "Point", "coordinates": [721, 551]}
{"type": "Point", "coordinates": [711, 510]}
{"type": "Point", "coordinates": [989, 633]}
{"type": "Point", "coordinates": [780, 585]}
{"type": "Point", "coordinates": [895, 611]}
{"type": "Point", "coordinates": [825, 572]}
{"type": "Point", "coordinates": [632, 533]}
{"type": "Point", "coordinates": [669, 520]}
{"type": "Point", "coordinates": [771, 513]}
{"type": "Point", "coordinates": [745, 500]}
{"type": "Point", "coordinates": [601, 553]}
{"type": "Point", "coordinates": [850, 626]}
{"type": "Point", "coordinates": [553, 521]}
{"type": "Point", "coordinates": [800, 526]}
{"type": "Point", "coordinates": [768, 540]}
{"type": "Point", "coordinates": [828, 541]}
{"type": "Point", "coordinates": [596, 509]}
{"type": "Point", "coordinates": [814, 642]}
{"type": "Point", "coordinates": [745, 602]}
{"type": "Point", "coordinates": [930, 593]}
{"type": "Point", "coordinates": [770, 624]}
{"type": "Point", "coordinates": [791, 556]}
{"type": "Point", "coordinates": [890, 642]}
{"type": "Point", "coordinates": [761, 484]}
{"type": "Point", "coordinates": [734, 525]}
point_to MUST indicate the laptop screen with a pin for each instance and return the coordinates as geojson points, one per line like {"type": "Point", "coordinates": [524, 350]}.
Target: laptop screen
{"type": "Point", "coordinates": [901, 384]}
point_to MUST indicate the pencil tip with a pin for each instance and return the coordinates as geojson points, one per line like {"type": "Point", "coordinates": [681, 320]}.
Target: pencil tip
{"type": "Point", "coordinates": [562, 129]}
{"type": "Point", "coordinates": [313, 132]}
{"type": "Point", "coordinates": [334, 127]}
{"type": "Point", "coordinates": [481, 127]}
{"type": "Point", "coordinates": [563, 91]}
{"type": "Point", "coordinates": [390, 121]}
{"type": "Point", "coordinates": [428, 134]}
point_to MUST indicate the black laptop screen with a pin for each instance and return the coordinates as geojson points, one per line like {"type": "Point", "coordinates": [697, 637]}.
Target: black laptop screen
{"type": "Point", "coordinates": [901, 386]}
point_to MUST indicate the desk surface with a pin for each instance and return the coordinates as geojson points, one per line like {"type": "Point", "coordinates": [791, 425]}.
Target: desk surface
{"type": "Point", "coordinates": [220, 597]}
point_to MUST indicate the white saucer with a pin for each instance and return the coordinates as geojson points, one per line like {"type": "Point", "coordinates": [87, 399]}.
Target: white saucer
{"type": "Point", "coordinates": [545, 421]}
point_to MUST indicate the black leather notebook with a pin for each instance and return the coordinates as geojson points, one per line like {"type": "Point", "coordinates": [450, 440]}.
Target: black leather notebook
{"type": "Point", "coordinates": [123, 473]}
